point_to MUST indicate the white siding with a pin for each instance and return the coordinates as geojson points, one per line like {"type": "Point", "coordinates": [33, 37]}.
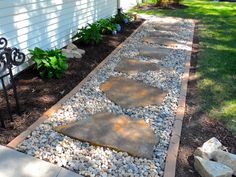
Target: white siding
{"type": "Point", "coordinates": [48, 23]}
{"type": "Point", "coordinates": [128, 4]}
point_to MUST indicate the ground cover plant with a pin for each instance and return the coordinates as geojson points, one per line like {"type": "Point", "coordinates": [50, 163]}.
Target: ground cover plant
{"type": "Point", "coordinates": [211, 96]}
{"type": "Point", "coordinates": [49, 63]}
{"type": "Point", "coordinates": [122, 18]}
{"type": "Point", "coordinates": [106, 26]}
{"type": "Point", "coordinates": [89, 34]}
{"type": "Point", "coordinates": [92, 33]}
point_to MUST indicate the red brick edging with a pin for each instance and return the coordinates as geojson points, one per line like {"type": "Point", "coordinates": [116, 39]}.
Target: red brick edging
{"type": "Point", "coordinates": [173, 149]}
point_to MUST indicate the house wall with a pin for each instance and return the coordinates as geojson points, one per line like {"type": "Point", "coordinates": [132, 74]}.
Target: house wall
{"type": "Point", "coordinates": [48, 23]}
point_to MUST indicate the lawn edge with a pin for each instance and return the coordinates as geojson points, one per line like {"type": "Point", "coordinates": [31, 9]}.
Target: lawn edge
{"type": "Point", "coordinates": [46, 115]}
{"type": "Point", "coordinates": [172, 153]}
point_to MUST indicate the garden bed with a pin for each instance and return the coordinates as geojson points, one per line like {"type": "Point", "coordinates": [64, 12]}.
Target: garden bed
{"type": "Point", "coordinates": [37, 95]}
{"type": "Point", "coordinates": [197, 126]}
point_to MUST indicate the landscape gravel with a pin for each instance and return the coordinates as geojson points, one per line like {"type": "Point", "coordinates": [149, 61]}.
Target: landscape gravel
{"type": "Point", "coordinates": [89, 160]}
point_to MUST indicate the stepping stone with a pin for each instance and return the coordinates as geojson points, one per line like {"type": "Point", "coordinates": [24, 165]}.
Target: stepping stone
{"type": "Point", "coordinates": [133, 66]}
{"type": "Point", "coordinates": [129, 93]}
{"type": "Point", "coordinates": [167, 28]}
{"type": "Point", "coordinates": [155, 52]}
{"type": "Point", "coordinates": [159, 34]}
{"type": "Point", "coordinates": [118, 132]}
{"type": "Point", "coordinates": [161, 41]}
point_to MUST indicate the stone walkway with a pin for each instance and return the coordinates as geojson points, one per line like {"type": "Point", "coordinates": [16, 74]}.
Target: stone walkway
{"type": "Point", "coordinates": [16, 164]}
{"type": "Point", "coordinates": [120, 120]}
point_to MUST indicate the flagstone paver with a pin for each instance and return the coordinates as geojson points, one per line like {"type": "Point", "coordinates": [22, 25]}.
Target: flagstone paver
{"type": "Point", "coordinates": [161, 41]}
{"type": "Point", "coordinates": [119, 132]}
{"type": "Point", "coordinates": [155, 52]}
{"type": "Point", "coordinates": [160, 34]}
{"type": "Point", "coordinates": [129, 93]}
{"type": "Point", "coordinates": [134, 66]}
{"type": "Point", "coordinates": [165, 27]}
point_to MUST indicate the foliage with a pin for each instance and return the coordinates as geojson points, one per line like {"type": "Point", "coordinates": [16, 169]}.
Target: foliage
{"type": "Point", "coordinates": [216, 62]}
{"type": "Point", "coordinates": [122, 18]}
{"type": "Point", "coordinates": [106, 25]}
{"type": "Point", "coordinates": [49, 63]}
{"type": "Point", "coordinates": [89, 34]}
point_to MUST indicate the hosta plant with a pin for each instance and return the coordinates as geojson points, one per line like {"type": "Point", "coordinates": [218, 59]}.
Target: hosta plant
{"type": "Point", "coordinates": [89, 34]}
{"type": "Point", "coordinates": [122, 18]}
{"type": "Point", "coordinates": [106, 26]}
{"type": "Point", "coordinates": [49, 63]}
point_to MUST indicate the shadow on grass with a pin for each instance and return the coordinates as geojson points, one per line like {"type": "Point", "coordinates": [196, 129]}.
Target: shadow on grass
{"type": "Point", "coordinates": [217, 59]}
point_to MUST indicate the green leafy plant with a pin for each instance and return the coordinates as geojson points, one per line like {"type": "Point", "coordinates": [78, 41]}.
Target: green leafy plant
{"type": "Point", "coordinates": [89, 34]}
{"type": "Point", "coordinates": [106, 26]}
{"type": "Point", "coordinates": [122, 18]}
{"type": "Point", "coordinates": [49, 63]}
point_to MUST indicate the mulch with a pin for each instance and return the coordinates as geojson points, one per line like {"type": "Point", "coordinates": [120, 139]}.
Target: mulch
{"type": "Point", "coordinates": [197, 126]}
{"type": "Point", "coordinates": [36, 95]}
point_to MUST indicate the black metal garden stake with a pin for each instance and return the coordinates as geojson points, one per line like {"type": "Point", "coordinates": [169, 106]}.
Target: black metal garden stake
{"type": "Point", "coordinates": [9, 57]}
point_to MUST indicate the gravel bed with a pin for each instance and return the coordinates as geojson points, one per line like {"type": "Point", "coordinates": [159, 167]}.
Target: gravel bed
{"type": "Point", "coordinates": [88, 160]}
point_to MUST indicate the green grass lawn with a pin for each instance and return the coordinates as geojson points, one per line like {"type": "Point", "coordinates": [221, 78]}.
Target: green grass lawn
{"type": "Point", "coordinates": [217, 60]}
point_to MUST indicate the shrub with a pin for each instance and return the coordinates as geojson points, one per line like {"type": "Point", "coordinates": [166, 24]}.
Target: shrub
{"type": "Point", "coordinates": [106, 26]}
{"type": "Point", "coordinates": [122, 18]}
{"type": "Point", "coordinates": [89, 34]}
{"type": "Point", "coordinates": [49, 63]}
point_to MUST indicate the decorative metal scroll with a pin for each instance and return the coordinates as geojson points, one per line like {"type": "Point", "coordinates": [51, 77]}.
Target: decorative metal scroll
{"type": "Point", "coordinates": [9, 57]}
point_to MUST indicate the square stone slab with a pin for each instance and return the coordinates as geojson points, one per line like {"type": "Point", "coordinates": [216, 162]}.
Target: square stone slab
{"type": "Point", "coordinates": [133, 66]}
{"type": "Point", "coordinates": [129, 93]}
{"type": "Point", "coordinates": [119, 132]}
{"type": "Point", "coordinates": [155, 52]}
{"type": "Point", "coordinates": [161, 41]}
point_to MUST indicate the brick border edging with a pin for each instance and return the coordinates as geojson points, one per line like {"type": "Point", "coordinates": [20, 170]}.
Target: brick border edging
{"type": "Point", "coordinates": [46, 115]}
{"type": "Point", "coordinates": [172, 153]}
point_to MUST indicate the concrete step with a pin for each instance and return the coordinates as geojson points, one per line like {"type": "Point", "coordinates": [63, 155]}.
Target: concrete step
{"type": "Point", "coordinates": [17, 164]}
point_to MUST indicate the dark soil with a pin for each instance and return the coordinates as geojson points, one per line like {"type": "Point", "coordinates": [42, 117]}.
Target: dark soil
{"type": "Point", "coordinates": [37, 95]}
{"type": "Point", "coordinates": [197, 126]}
